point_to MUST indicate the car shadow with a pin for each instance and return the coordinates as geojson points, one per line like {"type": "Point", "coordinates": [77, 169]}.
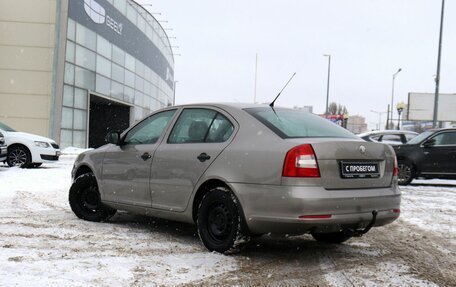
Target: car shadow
{"type": "Point", "coordinates": [261, 247]}
{"type": "Point", "coordinates": [433, 184]}
{"type": "Point", "coordinates": [179, 230]}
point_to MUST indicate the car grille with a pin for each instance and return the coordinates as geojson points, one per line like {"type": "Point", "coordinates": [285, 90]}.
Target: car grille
{"type": "Point", "coordinates": [54, 145]}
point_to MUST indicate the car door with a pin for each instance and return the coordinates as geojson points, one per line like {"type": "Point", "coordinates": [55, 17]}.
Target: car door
{"type": "Point", "coordinates": [126, 167]}
{"type": "Point", "coordinates": [197, 138]}
{"type": "Point", "coordinates": [440, 157]}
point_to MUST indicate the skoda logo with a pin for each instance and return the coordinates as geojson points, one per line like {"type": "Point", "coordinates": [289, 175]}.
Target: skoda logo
{"type": "Point", "coordinates": [362, 149]}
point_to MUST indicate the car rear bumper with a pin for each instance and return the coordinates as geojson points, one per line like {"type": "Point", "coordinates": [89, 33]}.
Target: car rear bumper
{"type": "Point", "coordinates": [277, 208]}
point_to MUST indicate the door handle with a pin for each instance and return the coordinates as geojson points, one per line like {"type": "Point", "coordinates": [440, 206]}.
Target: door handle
{"type": "Point", "coordinates": [203, 157]}
{"type": "Point", "coordinates": [145, 156]}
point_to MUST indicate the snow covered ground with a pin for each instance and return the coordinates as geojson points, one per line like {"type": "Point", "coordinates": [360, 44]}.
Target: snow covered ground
{"type": "Point", "coordinates": [43, 244]}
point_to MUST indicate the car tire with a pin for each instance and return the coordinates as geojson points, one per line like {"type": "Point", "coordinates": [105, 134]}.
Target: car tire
{"type": "Point", "coordinates": [220, 222]}
{"type": "Point", "coordinates": [85, 200]}
{"type": "Point", "coordinates": [406, 173]}
{"type": "Point", "coordinates": [333, 237]}
{"type": "Point", "coordinates": [19, 155]}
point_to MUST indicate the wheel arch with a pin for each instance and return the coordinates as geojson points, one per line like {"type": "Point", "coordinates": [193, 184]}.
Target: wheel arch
{"type": "Point", "coordinates": [82, 169]}
{"type": "Point", "coordinates": [204, 188]}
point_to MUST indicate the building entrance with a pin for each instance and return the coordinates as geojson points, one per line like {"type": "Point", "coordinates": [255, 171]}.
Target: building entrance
{"type": "Point", "coordinates": [105, 116]}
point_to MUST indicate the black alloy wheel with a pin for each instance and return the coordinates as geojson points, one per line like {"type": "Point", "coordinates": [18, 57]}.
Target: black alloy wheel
{"type": "Point", "coordinates": [85, 200]}
{"type": "Point", "coordinates": [406, 173]}
{"type": "Point", "coordinates": [18, 156]}
{"type": "Point", "coordinates": [219, 222]}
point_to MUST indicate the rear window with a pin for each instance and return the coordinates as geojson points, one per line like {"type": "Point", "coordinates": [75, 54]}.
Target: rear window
{"type": "Point", "coordinates": [288, 123]}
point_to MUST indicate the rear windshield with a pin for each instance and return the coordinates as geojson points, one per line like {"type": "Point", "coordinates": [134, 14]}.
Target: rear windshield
{"type": "Point", "coordinates": [6, 128]}
{"type": "Point", "coordinates": [288, 123]}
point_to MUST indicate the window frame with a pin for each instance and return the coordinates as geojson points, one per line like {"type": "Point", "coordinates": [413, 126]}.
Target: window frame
{"type": "Point", "coordinates": [163, 133]}
{"type": "Point", "coordinates": [217, 113]}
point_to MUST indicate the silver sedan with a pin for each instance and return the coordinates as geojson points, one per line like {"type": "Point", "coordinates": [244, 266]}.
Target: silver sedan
{"type": "Point", "coordinates": [237, 170]}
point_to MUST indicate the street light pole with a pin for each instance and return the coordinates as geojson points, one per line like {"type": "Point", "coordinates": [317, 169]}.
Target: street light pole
{"type": "Point", "coordinates": [327, 84]}
{"type": "Point", "coordinates": [392, 98]}
{"type": "Point", "coordinates": [437, 78]}
{"type": "Point", "coordinates": [379, 118]}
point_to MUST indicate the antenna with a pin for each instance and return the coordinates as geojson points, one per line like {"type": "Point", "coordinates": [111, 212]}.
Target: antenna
{"type": "Point", "coordinates": [272, 103]}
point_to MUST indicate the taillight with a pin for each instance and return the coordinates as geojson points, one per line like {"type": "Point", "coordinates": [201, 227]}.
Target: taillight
{"type": "Point", "coordinates": [395, 167]}
{"type": "Point", "coordinates": [301, 162]}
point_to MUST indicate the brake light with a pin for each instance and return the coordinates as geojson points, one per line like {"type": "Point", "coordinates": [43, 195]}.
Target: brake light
{"type": "Point", "coordinates": [300, 161]}
{"type": "Point", "coordinates": [395, 167]}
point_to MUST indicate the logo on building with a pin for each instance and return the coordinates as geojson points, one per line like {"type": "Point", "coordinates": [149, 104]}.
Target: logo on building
{"type": "Point", "coordinates": [95, 11]}
{"type": "Point", "coordinates": [98, 15]}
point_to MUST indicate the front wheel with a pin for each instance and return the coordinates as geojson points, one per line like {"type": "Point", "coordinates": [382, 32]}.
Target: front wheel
{"type": "Point", "coordinates": [220, 222]}
{"type": "Point", "coordinates": [406, 173]}
{"type": "Point", "coordinates": [85, 199]}
{"type": "Point", "coordinates": [18, 156]}
{"type": "Point", "coordinates": [333, 237]}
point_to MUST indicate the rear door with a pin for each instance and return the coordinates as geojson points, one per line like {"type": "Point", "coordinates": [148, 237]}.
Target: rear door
{"type": "Point", "coordinates": [126, 167]}
{"type": "Point", "coordinates": [197, 138]}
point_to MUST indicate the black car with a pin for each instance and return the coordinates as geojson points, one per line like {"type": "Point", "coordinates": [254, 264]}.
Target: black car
{"type": "Point", "coordinates": [432, 154]}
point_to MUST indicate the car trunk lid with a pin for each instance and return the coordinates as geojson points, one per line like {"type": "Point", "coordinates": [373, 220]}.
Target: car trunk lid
{"type": "Point", "coordinates": [348, 163]}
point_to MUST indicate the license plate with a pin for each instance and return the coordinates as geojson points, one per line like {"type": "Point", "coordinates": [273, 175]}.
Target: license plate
{"type": "Point", "coordinates": [359, 170]}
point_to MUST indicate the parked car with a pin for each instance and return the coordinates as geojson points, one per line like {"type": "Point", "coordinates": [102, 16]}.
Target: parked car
{"type": "Point", "coordinates": [237, 170]}
{"type": "Point", "coordinates": [28, 150]}
{"type": "Point", "coordinates": [432, 154]}
{"type": "Point", "coordinates": [391, 137]}
{"type": "Point", "coordinates": [2, 148]}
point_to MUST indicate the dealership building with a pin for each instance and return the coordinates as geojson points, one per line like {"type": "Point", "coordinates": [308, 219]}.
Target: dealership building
{"type": "Point", "coordinates": [72, 70]}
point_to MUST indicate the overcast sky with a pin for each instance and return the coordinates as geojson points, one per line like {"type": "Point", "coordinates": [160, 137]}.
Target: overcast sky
{"type": "Point", "coordinates": [368, 41]}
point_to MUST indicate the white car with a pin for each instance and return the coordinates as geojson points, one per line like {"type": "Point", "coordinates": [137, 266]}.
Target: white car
{"type": "Point", "coordinates": [28, 150]}
{"type": "Point", "coordinates": [2, 148]}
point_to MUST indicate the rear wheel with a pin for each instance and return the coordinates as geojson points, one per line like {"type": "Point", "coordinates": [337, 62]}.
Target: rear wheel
{"type": "Point", "coordinates": [19, 155]}
{"type": "Point", "coordinates": [85, 200]}
{"type": "Point", "coordinates": [333, 237]}
{"type": "Point", "coordinates": [220, 223]}
{"type": "Point", "coordinates": [406, 173]}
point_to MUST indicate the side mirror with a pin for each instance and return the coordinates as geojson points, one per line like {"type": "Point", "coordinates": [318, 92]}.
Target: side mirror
{"type": "Point", "coordinates": [429, 143]}
{"type": "Point", "coordinates": [113, 137]}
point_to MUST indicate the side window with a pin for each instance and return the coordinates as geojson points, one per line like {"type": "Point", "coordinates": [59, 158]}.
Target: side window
{"type": "Point", "coordinates": [220, 130]}
{"type": "Point", "coordinates": [150, 129]}
{"type": "Point", "coordinates": [375, 138]}
{"type": "Point", "coordinates": [445, 139]}
{"type": "Point", "coordinates": [200, 125]}
{"type": "Point", "coordinates": [391, 138]}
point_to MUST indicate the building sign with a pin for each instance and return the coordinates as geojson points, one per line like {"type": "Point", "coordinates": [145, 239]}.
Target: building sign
{"type": "Point", "coordinates": [102, 18]}
{"type": "Point", "coordinates": [98, 14]}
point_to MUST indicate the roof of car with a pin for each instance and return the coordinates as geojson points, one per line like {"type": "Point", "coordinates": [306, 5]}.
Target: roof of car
{"type": "Point", "coordinates": [232, 105]}
{"type": "Point", "coordinates": [388, 132]}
